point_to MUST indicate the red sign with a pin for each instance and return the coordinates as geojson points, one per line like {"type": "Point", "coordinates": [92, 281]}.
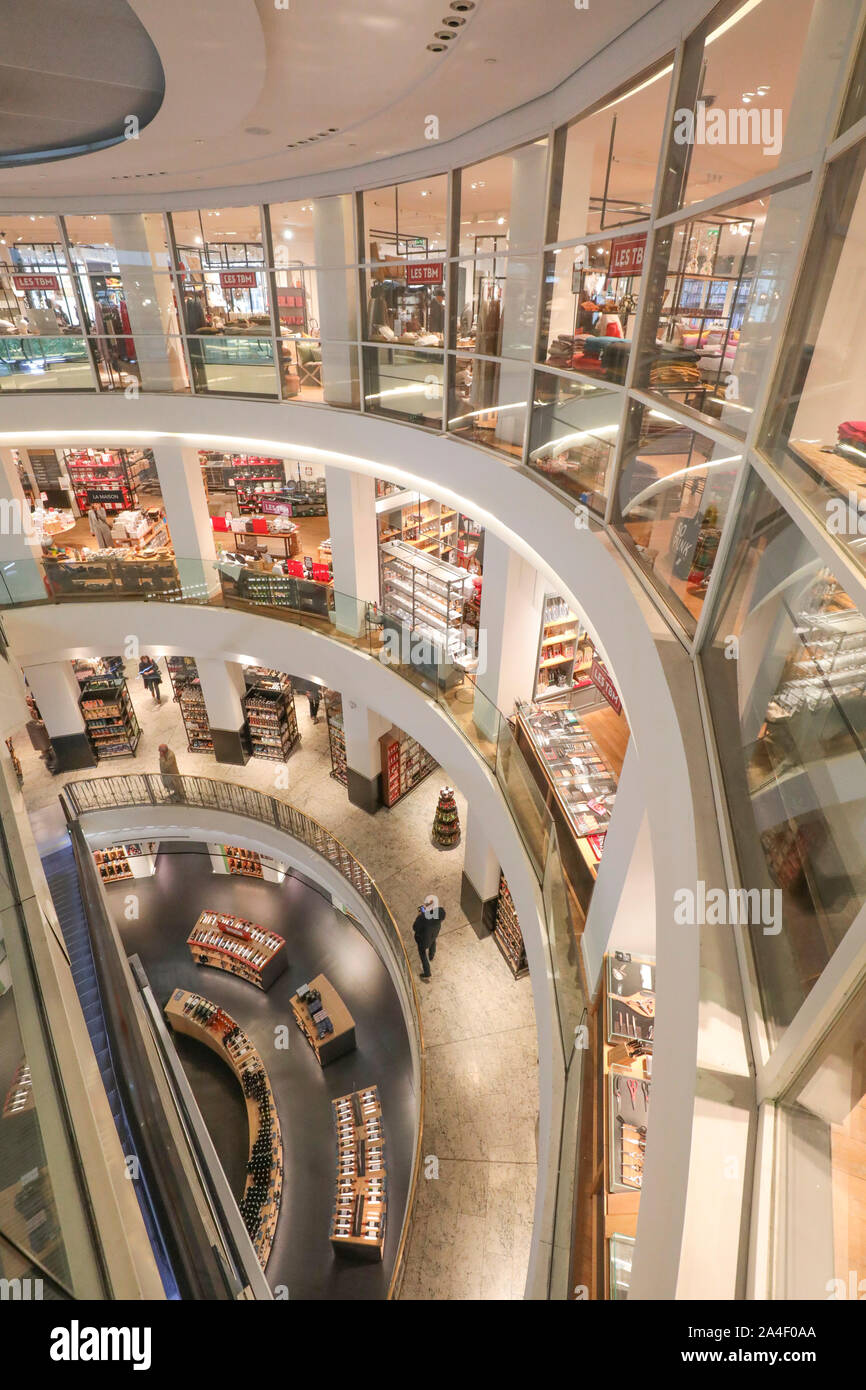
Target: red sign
{"type": "Point", "coordinates": [238, 279]}
{"type": "Point", "coordinates": [36, 282]}
{"type": "Point", "coordinates": [626, 255]}
{"type": "Point", "coordinates": [425, 272]}
{"type": "Point", "coordinates": [599, 677]}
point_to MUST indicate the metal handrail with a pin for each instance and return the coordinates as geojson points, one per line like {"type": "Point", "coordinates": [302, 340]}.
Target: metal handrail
{"type": "Point", "coordinates": [150, 789]}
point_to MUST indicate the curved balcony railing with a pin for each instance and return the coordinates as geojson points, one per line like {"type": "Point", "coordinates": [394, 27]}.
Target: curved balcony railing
{"type": "Point", "coordinates": [208, 793]}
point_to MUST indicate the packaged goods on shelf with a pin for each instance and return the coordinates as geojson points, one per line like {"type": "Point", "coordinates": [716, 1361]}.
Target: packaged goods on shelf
{"type": "Point", "coordinates": [361, 1202]}
{"type": "Point", "coordinates": [507, 933]}
{"type": "Point", "coordinates": [110, 720]}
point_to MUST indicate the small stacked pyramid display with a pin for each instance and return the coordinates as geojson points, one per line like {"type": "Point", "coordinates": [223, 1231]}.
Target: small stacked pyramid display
{"type": "Point", "coordinates": [446, 823]}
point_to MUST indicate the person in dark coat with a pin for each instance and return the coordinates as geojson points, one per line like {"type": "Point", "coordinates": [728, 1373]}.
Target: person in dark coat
{"type": "Point", "coordinates": [425, 929]}
{"type": "Point", "coordinates": [149, 672]}
{"type": "Point", "coordinates": [314, 695]}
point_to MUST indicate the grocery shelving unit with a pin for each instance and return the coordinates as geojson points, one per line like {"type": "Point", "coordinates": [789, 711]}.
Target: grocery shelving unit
{"type": "Point", "coordinates": [201, 1018]}
{"type": "Point", "coordinates": [404, 764]}
{"type": "Point", "coordinates": [336, 735]}
{"type": "Point", "coordinates": [361, 1204]}
{"type": "Point", "coordinates": [241, 948]}
{"type": "Point", "coordinates": [182, 671]}
{"type": "Point", "coordinates": [118, 862]}
{"type": "Point", "coordinates": [195, 720]}
{"type": "Point", "coordinates": [269, 706]}
{"type": "Point", "coordinates": [425, 597]}
{"type": "Point", "coordinates": [247, 863]}
{"type": "Point", "coordinates": [507, 933]}
{"type": "Point", "coordinates": [112, 725]}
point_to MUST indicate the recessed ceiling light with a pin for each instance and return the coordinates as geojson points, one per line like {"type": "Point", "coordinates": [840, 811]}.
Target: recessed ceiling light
{"type": "Point", "coordinates": [453, 21]}
{"type": "Point", "coordinates": [288, 234]}
{"type": "Point", "coordinates": [491, 60]}
{"type": "Point", "coordinates": [436, 47]}
{"type": "Point", "coordinates": [462, 6]}
{"type": "Point", "coordinates": [257, 130]}
{"type": "Point", "coordinates": [445, 35]}
{"type": "Point", "coordinates": [425, 192]}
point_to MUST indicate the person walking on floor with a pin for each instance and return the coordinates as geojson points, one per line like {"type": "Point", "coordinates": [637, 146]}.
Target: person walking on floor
{"type": "Point", "coordinates": [170, 773]}
{"type": "Point", "coordinates": [314, 697]}
{"type": "Point", "coordinates": [425, 929]}
{"type": "Point", "coordinates": [149, 672]}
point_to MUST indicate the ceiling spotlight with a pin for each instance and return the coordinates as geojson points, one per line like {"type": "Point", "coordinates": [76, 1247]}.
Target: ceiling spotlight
{"type": "Point", "coordinates": [463, 6]}
{"type": "Point", "coordinates": [288, 234]}
{"type": "Point", "coordinates": [436, 47]}
{"type": "Point", "coordinates": [425, 192]}
{"type": "Point", "coordinates": [453, 21]}
{"type": "Point", "coordinates": [444, 34]}
{"type": "Point", "coordinates": [500, 221]}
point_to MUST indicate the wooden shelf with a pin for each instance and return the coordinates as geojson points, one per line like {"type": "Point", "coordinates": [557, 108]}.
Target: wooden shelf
{"type": "Point", "coordinates": [336, 1043]}
{"type": "Point", "coordinates": [237, 946]}
{"type": "Point", "coordinates": [361, 1203]}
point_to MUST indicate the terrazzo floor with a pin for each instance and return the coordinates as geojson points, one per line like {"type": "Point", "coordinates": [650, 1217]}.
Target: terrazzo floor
{"type": "Point", "coordinates": [473, 1217]}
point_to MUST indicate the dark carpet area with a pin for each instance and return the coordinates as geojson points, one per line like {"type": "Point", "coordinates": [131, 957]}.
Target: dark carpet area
{"type": "Point", "coordinates": [318, 940]}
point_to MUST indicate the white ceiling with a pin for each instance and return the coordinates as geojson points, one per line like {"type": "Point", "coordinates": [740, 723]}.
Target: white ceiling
{"type": "Point", "coordinates": [244, 80]}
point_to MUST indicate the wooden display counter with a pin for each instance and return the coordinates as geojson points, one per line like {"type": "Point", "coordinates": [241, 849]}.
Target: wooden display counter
{"type": "Point", "coordinates": [199, 1018]}
{"type": "Point", "coordinates": [238, 946]}
{"type": "Point", "coordinates": [342, 1037]}
{"type": "Point", "coordinates": [361, 1205]}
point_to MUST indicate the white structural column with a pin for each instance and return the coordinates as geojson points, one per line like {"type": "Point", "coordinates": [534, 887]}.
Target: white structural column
{"type": "Point", "coordinates": [222, 685]}
{"type": "Point", "coordinates": [140, 241]}
{"type": "Point", "coordinates": [20, 552]}
{"type": "Point", "coordinates": [512, 602]}
{"type": "Point", "coordinates": [183, 494]}
{"type": "Point", "coordinates": [57, 693]}
{"type": "Point", "coordinates": [333, 241]}
{"type": "Point", "coordinates": [362, 729]}
{"type": "Point", "coordinates": [354, 545]}
{"type": "Point", "coordinates": [621, 916]}
{"type": "Point", "coordinates": [480, 882]}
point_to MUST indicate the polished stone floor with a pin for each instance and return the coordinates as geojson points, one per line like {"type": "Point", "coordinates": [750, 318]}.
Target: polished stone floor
{"type": "Point", "coordinates": [473, 1218]}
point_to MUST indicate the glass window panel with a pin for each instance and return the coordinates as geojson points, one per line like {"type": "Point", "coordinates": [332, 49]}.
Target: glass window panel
{"type": "Point", "coordinates": [37, 301]}
{"type": "Point", "coordinates": [407, 220]}
{"type": "Point", "coordinates": [573, 436]}
{"type": "Point", "coordinates": [724, 278]}
{"type": "Point", "coordinates": [32, 363]}
{"type": "Point", "coordinates": [495, 305]}
{"type": "Point", "coordinates": [120, 238]}
{"type": "Point", "coordinates": [234, 364]}
{"type": "Point", "coordinates": [404, 384]}
{"type": "Point", "coordinates": [218, 238]}
{"type": "Point", "coordinates": [767, 79]}
{"type": "Point", "coordinates": [31, 241]}
{"type": "Point", "coordinates": [324, 372]}
{"type": "Point", "coordinates": [855, 102]}
{"type": "Point", "coordinates": [227, 301]}
{"type": "Point", "coordinates": [154, 363]}
{"type": "Point", "coordinates": [320, 231]}
{"type": "Point", "coordinates": [814, 431]}
{"type": "Point", "coordinates": [317, 302]}
{"type": "Point", "coordinates": [820, 1236]}
{"type": "Point", "coordinates": [785, 678]}
{"type": "Point", "coordinates": [605, 166]}
{"type": "Point", "coordinates": [670, 503]}
{"type": "Point", "coordinates": [502, 202]}
{"type": "Point", "coordinates": [589, 311]}
{"type": "Point", "coordinates": [488, 403]}
{"type": "Point", "coordinates": [396, 308]}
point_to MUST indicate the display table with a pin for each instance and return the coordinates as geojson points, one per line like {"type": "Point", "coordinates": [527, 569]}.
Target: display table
{"type": "Point", "coordinates": [336, 1043]}
{"type": "Point", "coordinates": [361, 1205]}
{"type": "Point", "coordinates": [240, 947]}
{"type": "Point", "coordinates": [199, 1018]}
{"type": "Point", "coordinates": [110, 573]}
{"type": "Point", "coordinates": [842, 475]}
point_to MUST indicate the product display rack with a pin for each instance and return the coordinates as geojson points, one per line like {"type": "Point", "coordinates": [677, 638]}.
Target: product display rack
{"type": "Point", "coordinates": [581, 780]}
{"type": "Point", "coordinates": [560, 632]}
{"type": "Point", "coordinates": [245, 862]}
{"type": "Point", "coordinates": [195, 720]}
{"type": "Point", "coordinates": [237, 946]}
{"type": "Point", "coordinates": [182, 671]}
{"type": "Point", "coordinates": [269, 706]}
{"type": "Point", "coordinates": [114, 863]}
{"type": "Point", "coordinates": [110, 477]}
{"type": "Point", "coordinates": [336, 735]}
{"type": "Point", "coordinates": [111, 722]}
{"type": "Point", "coordinates": [446, 822]}
{"type": "Point", "coordinates": [224, 471]}
{"type": "Point", "coordinates": [507, 933]}
{"type": "Point", "coordinates": [424, 597]}
{"type": "Point", "coordinates": [361, 1204]}
{"type": "Point", "coordinates": [19, 1097]}
{"type": "Point", "coordinates": [428, 526]}
{"type": "Point", "coordinates": [404, 764]}
{"type": "Point", "coordinates": [200, 1018]}
{"type": "Point", "coordinates": [324, 1020]}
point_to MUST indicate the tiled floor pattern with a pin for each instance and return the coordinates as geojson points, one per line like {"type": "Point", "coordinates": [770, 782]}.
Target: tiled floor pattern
{"type": "Point", "coordinates": [470, 1237]}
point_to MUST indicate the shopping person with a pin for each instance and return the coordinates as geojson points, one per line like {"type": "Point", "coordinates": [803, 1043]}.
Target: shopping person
{"type": "Point", "coordinates": [425, 929]}
{"type": "Point", "coordinates": [170, 773]}
{"type": "Point", "coordinates": [314, 697]}
{"type": "Point", "coordinates": [149, 672]}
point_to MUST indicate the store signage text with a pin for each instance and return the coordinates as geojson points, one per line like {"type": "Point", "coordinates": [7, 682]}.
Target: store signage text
{"type": "Point", "coordinates": [626, 255]}
{"type": "Point", "coordinates": [276, 506]}
{"type": "Point", "coordinates": [36, 282]}
{"type": "Point", "coordinates": [425, 273]}
{"type": "Point", "coordinates": [238, 279]}
{"type": "Point", "coordinates": [602, 681]}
